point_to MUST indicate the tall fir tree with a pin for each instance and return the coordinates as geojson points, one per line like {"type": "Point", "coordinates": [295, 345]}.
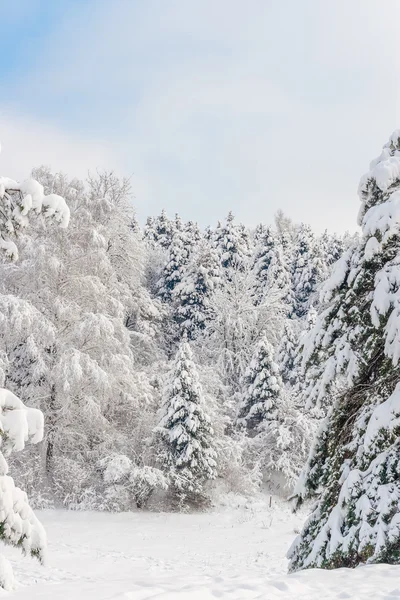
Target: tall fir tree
{"type": "Point", "coordinates": [279, 277]}
{"type": "Point", "coordinates": [287, 354]}
{"type": "Point", "coordinates": [193, 306]}
{"type": "Point", "coordinates": [352, 355]}
{"type": "Point", "coordinates": [262, 389]}
{"type": "Point", "coordinates": [232, 242]}
{"type": "Point", "coordinates": [309, 269]}
{"type": "Point", "coordinates": [178, 258]}
{"type": "Point", "coordinates": [263, 254]}
{"type": "Point", "coordinates": [187, 453]}
{"type": "Point", "coordinates": [161, 230]}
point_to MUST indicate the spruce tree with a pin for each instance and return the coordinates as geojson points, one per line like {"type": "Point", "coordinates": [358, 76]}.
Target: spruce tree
{"type": "Point", "coordinates": [193, 295]}
{"type": "Point", "coordinates": [160, 230]}
{"type": "Point", "coordinates": [187, 454]}
{"type": "Point", "coordinates": [263, 255]}
{"type": "Point", "coordinates": [332, 247]}
{"type": "Point", "coordinates": [287, 354]}
{"type": "Point", "coordinates": [279, 277]}
{"type": "Point", "coordinates": [352, 359]}
{"type": "Point", "coordinates": [232, 242]}
{"type": "Point", "coordinates": [309, 269]}
{"type": "Point", "coordinates": [178, 258]}
{"type": "Point", "coordinates": [262, 389]}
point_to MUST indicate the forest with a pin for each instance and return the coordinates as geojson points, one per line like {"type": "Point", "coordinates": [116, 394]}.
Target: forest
{"type": "Point", "coordinates": [165, 367]}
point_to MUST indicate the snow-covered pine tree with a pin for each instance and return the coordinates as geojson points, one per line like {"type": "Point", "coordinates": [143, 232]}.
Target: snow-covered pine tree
{"type": "Point", "coordinates": [193, 306]}
{"type": "Point", "coordinates": [232, 242]}
{"type": "Point", "coordinates": [186, 454]}
{"type": "Point", "coordinates": [263, 255]}
{"type": "Point", "coordinates": [309, 269]}
{"type": "Point", "coordinates": [279, 276]}
{"type": "Point", "coordinates": [149, 233]}
{"type": "Point", "coordinates": [173, 272]}
{"type": "Point", "coordinates": [19, 526]}
{"type": "Point", "coordinates": [262, 389]}
{"type": "Point", "coordinates": [193, 233]}
{"type": "Point", "coordinates": [353, 351]}
{"type": "Point", "coordinates": [332, 247]}
{"type": "Point", "coordinates": [163, 229]}
{"type": "Point", "coordinates": [287, 354]}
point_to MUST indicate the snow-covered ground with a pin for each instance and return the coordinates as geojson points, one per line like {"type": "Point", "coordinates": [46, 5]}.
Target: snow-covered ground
{"type": "Point", "coordinates": [236, 554]}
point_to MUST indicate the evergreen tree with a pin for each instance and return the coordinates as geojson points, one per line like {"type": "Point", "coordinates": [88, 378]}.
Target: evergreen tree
{"type": "Point", "coordinates": [309, 270]}
{"type": "Point", "coordinates": [232, 242]}
{"type": "Point", "coordinates": [193, 233]}
{"type": "Point", "coordinates": [187, 452]}
{"type": "Point", "coordinates": [262, 389]}
{"type": "Point", "coordinates": [352, 356]}
{"type": "Point", "coordinates": [161, 230]}
{"type": "Point", "coordinates": [20, 528]}
{"type": "Point", "coordinates": [178, 258]}
{"type": "Point", "coordinates": [193, 306]}
{"type": "Point", "coordinates": [332, 247]}
{"type": "Point", "coordinates": [150, 233]}
{"type": "Point", "coordinates": [263, 255]}
{"type": "Point", "coordinates": [279, 277]}
{"type": "Point", "coordinates": [287, 355]}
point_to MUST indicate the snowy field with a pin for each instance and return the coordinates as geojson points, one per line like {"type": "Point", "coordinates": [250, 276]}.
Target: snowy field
{"type": "Point", "coordinates": [234, 554]}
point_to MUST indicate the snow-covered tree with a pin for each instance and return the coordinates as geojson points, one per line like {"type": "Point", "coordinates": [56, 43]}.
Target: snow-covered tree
{"type": "Point", "coordinates": [193, 302]}
{"type": "Point", "coordinates": [352, 355]}
{"type": "Point", "coordinates": [309, 269]}
{"type": "Point", "coordinates": [19, 201]}
{"type": "Point", "coordinates": [82, 284]}
{"type": "Point", "coordinates": [263, 255]}
{"type": "Point", "coordinates": [287, 354]}
{"type": "Point", "coordinates": [332, 247]}
{"type": "Point", "coordinates": [282, 445]}
{"type": "Point", "coordinates": [279, 277]}
{"type": "Point", "coordinates": [20, 527]}
{"type": "Point", "coordinates": [187, 454]}
{"type": "Point", "coordinates": [232, 243]}
{"type": "Point", "coordinates": [161, 230]}
{"type": "Point", "coordinates": [173, 272]}
{"type": "Point", "coordinates": [237, 324]}
{"type": "Point", "coordinates": [262, 388]}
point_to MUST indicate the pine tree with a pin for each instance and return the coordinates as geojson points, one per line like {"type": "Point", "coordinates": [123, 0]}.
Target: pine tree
{"type": "Point", "coordinates": [178, 258]}
{"type": "Point", "coordinates": [263, 255]}
{"type": "Point", "coordinates": [193, 306]}
{"type": "Point", "coordinates": [20, 528]}
{"type": "Point", "coordinates": [161, 230]}
{"type": "Point", "coordinates": [309, 270]}
{"type": "Point", "coordinates": [332, 247]}
{"type": "Point", "coordinates": [150, 233]}
{"type": "Point", "coordinates": [187, 452]}
{"type": "Point", "coordinates": [352, 356]}
{"type": "Point", "coordinates": [279, 277]}
{"type": "Point", "coordinates": [232, 242]}
{"type": "Point", "coordinates": [262, 389]}
{"type": "Point", "coordinates": [287, 355]}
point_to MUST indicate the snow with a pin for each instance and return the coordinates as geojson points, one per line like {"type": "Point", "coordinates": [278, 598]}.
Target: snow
{"type": "Point", "coordinates": [233, 553]}
{"type": "Point", "coordinates": [385, 416]}
{"type": "Point", "coordinates": [19, 422]}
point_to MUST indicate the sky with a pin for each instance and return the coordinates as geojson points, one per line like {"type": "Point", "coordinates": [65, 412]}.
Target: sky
{"type": "Point", "coordinates": [206, 105]}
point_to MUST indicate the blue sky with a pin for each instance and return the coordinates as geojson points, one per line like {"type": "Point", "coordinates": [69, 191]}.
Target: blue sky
{"type": "Point", "coordinates": [209, 105]}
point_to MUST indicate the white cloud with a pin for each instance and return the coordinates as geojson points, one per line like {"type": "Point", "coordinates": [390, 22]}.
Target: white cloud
{"type": "Point", "coordinates": [27, 143]}
{"type": "Point", "coordinates": [216, 105]}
